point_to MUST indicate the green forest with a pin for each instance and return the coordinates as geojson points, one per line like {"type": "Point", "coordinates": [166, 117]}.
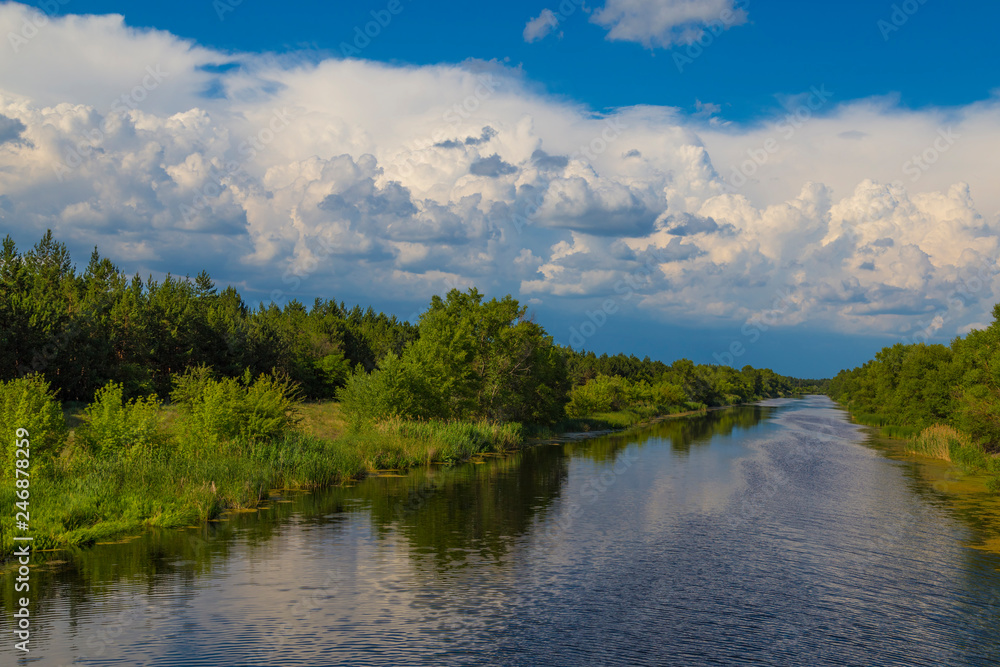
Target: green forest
{"type": "Point", "coordinates": [163, 402]}
{"type": "Point", "coordinates": [945, 398]}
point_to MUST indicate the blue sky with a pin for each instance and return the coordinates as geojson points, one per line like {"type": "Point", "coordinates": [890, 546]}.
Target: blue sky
{"type": "Point", "coordinates": [940, 56]}
{"type": "Point", "coordinates": [826, 168]}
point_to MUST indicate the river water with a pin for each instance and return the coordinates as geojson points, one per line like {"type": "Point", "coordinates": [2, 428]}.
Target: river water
{"type": "Point", "coordinates": [772, 534]}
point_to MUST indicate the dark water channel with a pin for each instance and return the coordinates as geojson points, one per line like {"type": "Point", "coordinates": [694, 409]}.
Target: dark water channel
{"type": "Point", "coordinates": [762, 535]}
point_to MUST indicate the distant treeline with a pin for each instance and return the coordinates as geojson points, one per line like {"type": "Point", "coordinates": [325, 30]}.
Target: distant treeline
{"type": "Point", "coordinates": [465, 358]}
{"type": "Point", "coordinates": [708, 384]}
{"type": "Point", "coordinates": [911, 387]}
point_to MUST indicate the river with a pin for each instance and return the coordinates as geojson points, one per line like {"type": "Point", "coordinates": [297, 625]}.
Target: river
{"type": "Point", "coordinates": [773, 534]}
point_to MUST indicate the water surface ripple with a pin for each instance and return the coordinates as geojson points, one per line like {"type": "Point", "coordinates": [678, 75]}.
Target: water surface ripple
{"type": "Point", "coordinates": [760, 535]}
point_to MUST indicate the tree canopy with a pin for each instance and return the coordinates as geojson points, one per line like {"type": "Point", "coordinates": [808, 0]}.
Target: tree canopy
{"type": "Point", "coordinates": [466, 358]}
{"type": "Point", "coordinates": [920, 385]}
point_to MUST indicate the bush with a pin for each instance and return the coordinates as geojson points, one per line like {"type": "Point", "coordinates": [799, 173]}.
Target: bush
{"type": "Point", "coordinates": [613, 393]}
{"type": "Point", "coordinates": [602, 394]}
{"type": "Point", "coordinates": [665, 393]}
{"type": "Point", "coordinates": [332, 372]}
{"type": "Point", "coordinates": [978, 413]}
{"type": "Point", "coordinates": [395, 389]}
{"type": "Point", "coordinates": [229, 409]}
{"type": "Point", "coordinates": [118, 428]}
{"type": "Point", "coordinates": [29, 403]}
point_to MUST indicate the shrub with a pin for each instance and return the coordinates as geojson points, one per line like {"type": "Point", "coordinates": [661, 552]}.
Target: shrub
{"type": "Point", "coordinates": [452, 441]}
{"type": "Point", "coordinates": [229, 409]}
{"type": "Point", "coordinates": [268, 407]}
{"type": "Point", "coordinates": [602, 394]}
{"type": "Point", "coordinates": [395, 389]}
{"type": "Point", "coordinates": [118, 428]}
{"type": "Point", "coordinates": [332, 372]}
{"type": "Point", "coordinates": [978, 413]}
{"type": "Point", "coordinates": [29, 403]}
{"type": "Point", "coordinates": [665, 393]}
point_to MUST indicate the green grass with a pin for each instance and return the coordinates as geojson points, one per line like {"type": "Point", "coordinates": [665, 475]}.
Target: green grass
{"type": "Point", "coordinates": [323, 419]}
{"type": "Point", "coordinates": [85, 498]}
{"type": "Point", "coordinates": [398, 443]}
{"type": "Point", "coordinates": [871, 419]}
{"type": "Point", "coordinates": [73, 413]}
{"type": "Point", "coordinates": [886, 425]}
{"type": "Point", "coordinates": [894, 431]}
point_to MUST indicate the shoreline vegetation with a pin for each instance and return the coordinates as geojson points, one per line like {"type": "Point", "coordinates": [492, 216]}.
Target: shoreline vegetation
{"type": "Point", "coordinates": [942, 400]}
{"type": "Point", "coordinates": [85, 500]}
{"type": "Point", "coordinates": [164, 403]}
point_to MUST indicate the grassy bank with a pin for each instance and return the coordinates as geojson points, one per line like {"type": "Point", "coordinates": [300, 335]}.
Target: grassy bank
{"type": "Point", "coordinates": [945, 443]}
{"type": "Point", "coordinates": [82, 498]}
{"type": "Point", "coordinates": [887, 425]}
{"type": "Point", "coordinates": [86, 499]}
{"type": "Point", "coordinates": [615, 420]}
{"type": "Point", "coordinates": [939, 441]}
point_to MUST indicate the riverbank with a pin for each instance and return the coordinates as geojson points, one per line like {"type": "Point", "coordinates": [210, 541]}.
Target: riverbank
{"type": "Point", "coordinates": [85, 500]}
{"type": "Point", "coordinates": [965, 493]}
{"type": "Point", "coordinates": [608, 422]}
{"type": "Point", "coordinates": [940, 442]}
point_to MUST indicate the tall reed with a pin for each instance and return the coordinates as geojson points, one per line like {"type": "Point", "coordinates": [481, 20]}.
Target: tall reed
{"type": "Point", "coordinates": [936, 441]}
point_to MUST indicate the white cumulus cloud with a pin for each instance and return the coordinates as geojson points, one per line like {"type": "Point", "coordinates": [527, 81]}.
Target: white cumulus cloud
{"type": "Point", "coordinates": [358, 180]}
